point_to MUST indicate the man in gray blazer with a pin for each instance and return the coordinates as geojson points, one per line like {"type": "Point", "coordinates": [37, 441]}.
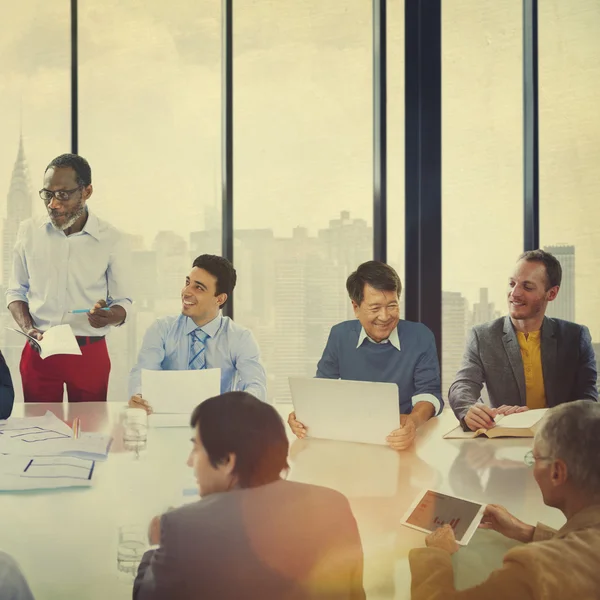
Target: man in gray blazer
{"type": "Point", "coordinates": [252, 535]}
{"type": "Point", "coordinates": [526, 360]}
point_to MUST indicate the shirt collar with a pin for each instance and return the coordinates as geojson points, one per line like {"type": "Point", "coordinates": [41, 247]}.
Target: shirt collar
{"type": "Point", "coordinates": [211, 328]}
{"type": "Point", "coordinates": [585, 518]}
{"type": "Point", "coordinates": [394, 338]}
{"type": "Point", "coordinates": [91, 226]}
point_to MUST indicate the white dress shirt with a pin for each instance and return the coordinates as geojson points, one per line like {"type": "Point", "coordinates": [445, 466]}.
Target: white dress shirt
{"type": "Point", "coordinates": [55, 273]}
{"type": "Point", "coordinates": [394, 340]}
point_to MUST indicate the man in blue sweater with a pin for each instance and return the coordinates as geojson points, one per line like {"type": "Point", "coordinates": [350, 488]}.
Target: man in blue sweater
{"type": "Point", "coordinates": [379, 347]}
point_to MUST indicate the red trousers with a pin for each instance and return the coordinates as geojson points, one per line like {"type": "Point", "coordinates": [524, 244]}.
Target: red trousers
{"type": "Point", "coordinates": [86, 376]}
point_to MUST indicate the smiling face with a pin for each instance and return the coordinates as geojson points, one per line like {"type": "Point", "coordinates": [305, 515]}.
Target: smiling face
{"type": "Point", "coordinates": [65, 213]}
{"type": "Point", "coordinates": [527, 293]}
{"type": "Point", "coordinates": [378, 313]}
{"type": "Point", "coordinates": [199, 299]}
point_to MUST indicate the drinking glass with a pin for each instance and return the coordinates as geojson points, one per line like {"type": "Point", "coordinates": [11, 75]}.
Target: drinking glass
{"type": "Point", "coordinates": [135, 430]}
{"type": "Point", "coordinates": [133, 542]}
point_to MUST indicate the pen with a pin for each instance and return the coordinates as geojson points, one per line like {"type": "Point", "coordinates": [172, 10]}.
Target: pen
{"type": "Point", "coordinates": [76, 427]}
{"type": "Point", "coordinates": [86, 310]}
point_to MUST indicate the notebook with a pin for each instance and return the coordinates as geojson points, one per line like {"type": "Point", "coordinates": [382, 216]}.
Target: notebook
{"type": "Point", "coordinates": [347, 411]}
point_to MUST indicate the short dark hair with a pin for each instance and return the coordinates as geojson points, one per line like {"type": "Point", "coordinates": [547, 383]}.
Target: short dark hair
{"type": "Point", "coordinates": [83, 171]}
{"type": "Point", "coordinates": [220, 268]}
{"type": "Point", "coordinates": [377, 274]}
{"type": "Point", "coordinates": [239, 423]}
{"type": "Point", "coordinates": [550, 262]}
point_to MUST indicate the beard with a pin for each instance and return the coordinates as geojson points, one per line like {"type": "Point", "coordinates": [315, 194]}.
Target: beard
{"type": "Point", "coordinates": [70, 217]}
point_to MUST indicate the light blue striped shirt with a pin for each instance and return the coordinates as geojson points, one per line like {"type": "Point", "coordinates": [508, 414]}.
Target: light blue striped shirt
{"type": "Point", "coordinates": [230, 347]}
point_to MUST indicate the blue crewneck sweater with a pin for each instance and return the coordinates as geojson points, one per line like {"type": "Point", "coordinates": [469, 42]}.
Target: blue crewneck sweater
{"type": "Point", "coordinates": [414, 369]}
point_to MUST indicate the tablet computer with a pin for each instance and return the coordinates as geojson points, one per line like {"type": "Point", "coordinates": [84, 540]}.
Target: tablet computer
{"type": "Point", "coordinates": [432, 509]}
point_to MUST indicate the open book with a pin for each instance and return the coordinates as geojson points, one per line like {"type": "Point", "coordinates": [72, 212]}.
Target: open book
{"type": "Point", "coordinates": [56, 340]}
{"type": "Point", "coordinates": [522, 424]}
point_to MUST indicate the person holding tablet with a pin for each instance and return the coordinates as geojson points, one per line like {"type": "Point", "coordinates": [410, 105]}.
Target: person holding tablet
{"type": "Point", "coordinates": [379, 347]}
{"type": "Point", "coordinates": [552, 565]}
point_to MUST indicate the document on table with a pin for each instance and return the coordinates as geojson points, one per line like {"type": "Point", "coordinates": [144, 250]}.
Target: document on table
{"type": "Point", "coordinates": [49, 436]}
{"type": "Point", "coordinates": [173, 395]}
{"type": "Point", "coordinates": [24, 473]}
{"type": "Point", "coordinates": [56, 340]}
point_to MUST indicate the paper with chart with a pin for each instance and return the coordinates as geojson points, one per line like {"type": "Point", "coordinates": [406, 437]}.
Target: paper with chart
{"type": "Point", "coordinates": [56, 340]}
{"type": "Point", "coordinates": [49, 436]}
{"type": "Point", "coordinates": [173, 395]}
{"type": "Point", "coordinates": [25, 473]}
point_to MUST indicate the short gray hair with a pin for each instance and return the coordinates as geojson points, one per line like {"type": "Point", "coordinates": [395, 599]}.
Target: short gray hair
{"type": "Point", "coordinates": [571, 432]}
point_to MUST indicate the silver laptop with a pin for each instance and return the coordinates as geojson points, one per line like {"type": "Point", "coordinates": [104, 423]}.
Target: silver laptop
{"type": "Point", "coordinates": [348, 411]}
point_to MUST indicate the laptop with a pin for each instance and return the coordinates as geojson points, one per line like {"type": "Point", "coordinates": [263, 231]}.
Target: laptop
{"type": "Point", "coordinates": [347, 411]}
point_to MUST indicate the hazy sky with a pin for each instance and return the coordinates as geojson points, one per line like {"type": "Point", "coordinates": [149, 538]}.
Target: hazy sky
{"type": "Point", "coordinates": [150, 78]}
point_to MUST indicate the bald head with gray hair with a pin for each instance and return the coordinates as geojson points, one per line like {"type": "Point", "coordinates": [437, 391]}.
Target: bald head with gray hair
{"type": "Point", "coordinates": [571, 432]}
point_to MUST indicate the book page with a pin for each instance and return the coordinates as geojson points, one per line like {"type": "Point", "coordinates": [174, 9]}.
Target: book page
{"type": "Point", "coordinates": [522, 420]}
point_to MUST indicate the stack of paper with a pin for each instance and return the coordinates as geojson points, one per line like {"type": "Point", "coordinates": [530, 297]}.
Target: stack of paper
{"type": "Point", "coordinates": [173, 395]}
{"type": "Point", "coordinates": [20, 473]}
{"type": "Point", "coordinates": [49, 436]}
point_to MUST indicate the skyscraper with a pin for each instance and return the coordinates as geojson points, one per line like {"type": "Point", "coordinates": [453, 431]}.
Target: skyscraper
{"type": "Point", "coordinates": [454, 315]}
{"type": "Point", "coordinates": [484, 311]}
{"type": "Point", "coordinates": [18, 208]}
{"type": "Point", "coordinates": [564, 305]}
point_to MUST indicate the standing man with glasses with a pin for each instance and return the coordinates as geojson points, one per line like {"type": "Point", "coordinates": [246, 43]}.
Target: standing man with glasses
{"type": "Point", "coordinates": [201, 338]}
{"type": "Point", "coordinates": [68, 260]}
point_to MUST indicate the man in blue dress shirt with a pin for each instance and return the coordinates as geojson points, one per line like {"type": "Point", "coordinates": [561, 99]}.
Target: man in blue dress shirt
{"type": "Point", "coordinates": [379, 347]}
{"type": "Point", "coordinates": [200, 337]}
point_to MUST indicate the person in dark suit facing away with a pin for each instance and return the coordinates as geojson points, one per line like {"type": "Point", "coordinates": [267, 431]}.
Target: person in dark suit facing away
{"type": "Point", "coordinates": [7, 392]}
{"type": "Point", "coordinates": [253, 535]}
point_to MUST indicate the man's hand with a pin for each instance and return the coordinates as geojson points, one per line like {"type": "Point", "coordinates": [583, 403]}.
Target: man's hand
{"type": "Point", "coordinates": [154, 531]}
{"type": "Point", "coordinates": [402, 438]}
{"type": "Point", "coordinates": [103, 318]}
{"type": "Point", "coordinates": [442, 538]}
{"type": "Point", "coordinates": [480, 416]}
{"type": "Point", "coordinates": [511, 410]}
{"type": "Point", "coordinates": [499, 519]}
{"type": "Point", "coordinates": [297, 428]}
{"type": "Point", "coordinates": [34, 333]}
{"type": "Point", "coordinates": [138, 402]}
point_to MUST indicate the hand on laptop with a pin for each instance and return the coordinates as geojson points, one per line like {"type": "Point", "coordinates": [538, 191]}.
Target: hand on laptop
{"type": "Point", "coordinates": [138, 402]}
{"type": "Point", "coordinates": [402, 438]}
{"type": "Point", "coordinates": [297, 428]}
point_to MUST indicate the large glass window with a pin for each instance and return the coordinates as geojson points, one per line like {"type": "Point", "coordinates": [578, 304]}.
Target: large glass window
{"type": "Point", "coordinates": [569, 83]}
{"type": "Point", "coordinates": [482, 165]}
{"type": "Point", "coordinates": [150, 125]}
{"type": "Point", "coordinates": [35, 123]}
{"type": "Point", "coordinates": [303, 173]}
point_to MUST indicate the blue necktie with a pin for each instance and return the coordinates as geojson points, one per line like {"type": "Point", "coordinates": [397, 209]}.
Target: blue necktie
{"type": "Point", "coordinates": [198, 349]}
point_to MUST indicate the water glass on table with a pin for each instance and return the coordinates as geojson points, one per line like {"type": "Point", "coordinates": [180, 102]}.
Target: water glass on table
{"type": "Point", "coordinates": [133, 542]}
{"type": "Point", "coordinates": [135, 430]}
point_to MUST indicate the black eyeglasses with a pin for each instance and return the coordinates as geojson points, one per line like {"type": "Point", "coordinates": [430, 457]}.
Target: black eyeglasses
{"type": "Point", "coordinates": [61, 195]}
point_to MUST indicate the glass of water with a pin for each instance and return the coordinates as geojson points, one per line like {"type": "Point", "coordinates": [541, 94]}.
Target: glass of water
{"type": "Point", "coordinates": [133, 542]}
{"type": "Point", "coordinates": [135, 430]}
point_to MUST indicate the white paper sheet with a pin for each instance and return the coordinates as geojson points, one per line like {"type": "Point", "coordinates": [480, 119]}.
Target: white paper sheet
{"type": "Point", "coordinates": [24, 473]}
{"type": "Point", "coordinates": [56, 340]}
{"type": "Point", "coordinates": [49, 436]}
{"type": "Point", "coordinates": [522, 420]}
{"type": "Point", "coordinates": [178, 392]}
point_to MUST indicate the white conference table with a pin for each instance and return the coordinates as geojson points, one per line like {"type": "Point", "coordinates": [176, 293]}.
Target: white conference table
{"type": "Point", "coordinates": [66, 540]}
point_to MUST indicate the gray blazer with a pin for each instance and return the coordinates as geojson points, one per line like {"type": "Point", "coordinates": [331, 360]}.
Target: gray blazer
{"type": "Point", "coordinates": [493, 357]}
{"type": "Point", "coordinates": [280, 541]}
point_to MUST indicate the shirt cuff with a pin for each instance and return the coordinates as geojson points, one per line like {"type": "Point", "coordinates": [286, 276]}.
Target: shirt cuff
{"type": "Point", "coordinates": [427, 398]}
{"type": "Point", "coordinates": [14, 296]}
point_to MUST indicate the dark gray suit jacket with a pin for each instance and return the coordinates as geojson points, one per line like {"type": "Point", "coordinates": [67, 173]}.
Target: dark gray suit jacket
{"type": "Point", "coordinates": [7, 392]}
{"type": "Point", "coordinates": [493, 357]}
{"type": "Point", "coordinates": [281, 541]}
